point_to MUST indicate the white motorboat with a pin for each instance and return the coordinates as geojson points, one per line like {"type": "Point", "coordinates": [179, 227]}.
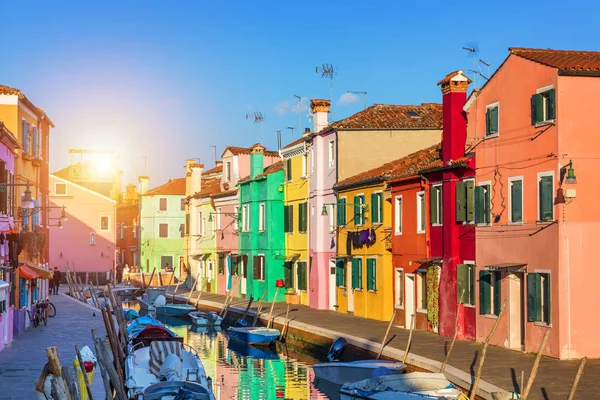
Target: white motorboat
{"type": "Point", "coordinates": [163, 361]}
{"type": "Point", "coordinates": [149, 297]}
{"type": "Point", "coordinates": [409, 386]}
{"type": "Point", "coordinates": [202, 318]}
{"type": "Point", "coordinates": [342, 372]}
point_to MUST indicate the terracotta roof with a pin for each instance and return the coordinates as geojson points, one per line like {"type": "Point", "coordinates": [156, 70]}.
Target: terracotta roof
{"type": "Point", "coordinates": [247, 150]}
{"type": "Point", "coordinates": [173, 187]}
{"type": "Point", "coordinates": [405, 166]}
{"type": "Point", "coordinates": [210, 188]}
{"type": "Point", "coordinates": [224, 194]}
{"type": "Point", "coordinates": [278, 166]}
{"type": "Point", "coordinates": [390, 116]}
{"type": "Point", "coordinates": [7, 90]}
{"type": "Point", "coordinates": [11, 91]}
{"type": "Point", "coordinates": [439, 164]}
{"type": "Point", "coordinates": [214, 170]}
{"type": "Point", "coordinates": [573, 60]}
{"type": "Point", "coordinates": [295, 142]}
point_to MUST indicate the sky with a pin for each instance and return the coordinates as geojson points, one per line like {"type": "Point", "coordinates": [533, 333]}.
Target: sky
{"type": "Point", "coordinates": [162, 82]}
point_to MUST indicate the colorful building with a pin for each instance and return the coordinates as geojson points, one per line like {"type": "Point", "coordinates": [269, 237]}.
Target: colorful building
{"type": "Point", "coordinates": [535, 201]}
{"type": "Point", "coordinates": [162, 224]}
{"type": "Point", "coordinates": [84, 241]}
{"type": "Point", "coordinates": [261, 237]}
{"type": "Point", "coordinates": [127, 228]}
{"type": "Point", "coordinates": [297, 175]}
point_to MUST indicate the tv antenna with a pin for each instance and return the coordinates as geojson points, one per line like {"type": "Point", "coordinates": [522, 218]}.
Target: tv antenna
{"type": "Point", "coordinates": [327, 71]}
{"type": "Point", "coordinates": [259, 118]}
{"type": "Point", "coordinates": [292, 129]}
{"type": "Point", "coordinates": [472, 49]}
{"type": "Point", "coordinates": [215, 149]}
{"type": "Point", "coordinates": [299, 117]}
{"type": "Point", "coordinates": [364, 94]}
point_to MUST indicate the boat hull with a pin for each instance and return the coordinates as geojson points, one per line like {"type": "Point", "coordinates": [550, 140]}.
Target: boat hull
{"type": "Point", "coordinates": [175, 310]}
{"type": "Point", "coordinates": [162, 390]}
{"type": "Point", "coordinates": [343, 372]}
{"type": "Point", "coordinates": [255, 336]}
{"type": "Point", "coordinates": [201, 318]}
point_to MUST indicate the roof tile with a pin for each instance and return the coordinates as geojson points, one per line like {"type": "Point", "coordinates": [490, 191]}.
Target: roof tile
{"type": "Point", "coordinates": [248, 150]}
{"type": "Point", "coordinates": [278, 166]}
{"type": "Point", "coordinates": [174, 187]}
{"type": "Point", "coordinates": [573, 60]}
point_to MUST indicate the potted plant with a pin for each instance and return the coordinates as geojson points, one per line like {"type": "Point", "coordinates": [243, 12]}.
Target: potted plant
{"type": "Point", "coordinates": [292, 297]}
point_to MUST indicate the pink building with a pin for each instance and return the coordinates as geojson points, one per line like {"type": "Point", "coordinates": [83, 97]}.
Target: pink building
{"type": "Point", "coordinates": [86, 241]}
{"type": "Point", "coordinates": [535, 201]}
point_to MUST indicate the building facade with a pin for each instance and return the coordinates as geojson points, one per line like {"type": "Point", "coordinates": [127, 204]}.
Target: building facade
{"type": "Point", "coordinates": [128, 227]}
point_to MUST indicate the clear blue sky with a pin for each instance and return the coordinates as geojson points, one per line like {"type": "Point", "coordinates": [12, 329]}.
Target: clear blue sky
{"type": "Point", "coordinates": [167, 80]}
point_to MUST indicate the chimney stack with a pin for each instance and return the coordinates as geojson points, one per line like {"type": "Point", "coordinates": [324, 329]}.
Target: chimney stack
{"type": "Point", "coordinates": [320, 111]}
{"type": "Point", "coordinates": [306, 132]}
{"type": "Point", "coordinates": [454, 95]}
{"type": "Point", "coordinates": [143, 184]}
{"type": "Point", "coordinates": [257, 160]}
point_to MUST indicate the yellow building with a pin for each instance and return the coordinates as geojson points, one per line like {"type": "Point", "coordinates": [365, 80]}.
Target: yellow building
{"type": "Point", "coordinates": [364, 278]}
{"type": "Point", "coordinates": [295, 161]}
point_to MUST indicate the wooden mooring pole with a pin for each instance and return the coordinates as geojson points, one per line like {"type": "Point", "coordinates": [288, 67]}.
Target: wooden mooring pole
{"type": "Point", "coordinates": [455, 332]}
{"type": "Point", "coordinates": [412, 326]}
{"type": "Point", "coordinates": [536, 365]}
{"type": "Point", "coordinates": [576, 380]}
{"type": "Point", "coordinates": [387, 332]}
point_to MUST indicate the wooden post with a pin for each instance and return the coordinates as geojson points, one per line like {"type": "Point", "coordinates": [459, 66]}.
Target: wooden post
{"type": "Point", "coordinates": [68, 278]}
{"type": "Point", "coordinates": [287, 322]}
{"type": "Point", "coordinates": [120, 343]}
{"type": "Point", "coordinates": [68, 375]}
{"type": "Point", "coordinates": [270, 323]}
{"type": "Point", "coordinates": [259, 309]}
{"type": "Point", "coordinates": [151, 277]}
{"type": "Point", "coordinates": [577, 377]}
{"type": "Point", "coordinates": [455, 332]}
{"type": "Point", "coordinates": [85, 376]}
{"type": "Point", "coordinates": [192, 289]}
{"type": "Point", "coordinates": [119, 315]}
{"type": "Point", "coordinates": [104, 358]}
{"type": "Point", "coordinates": [412, 326]}
{"type": "Point", "coordinates": [102, 366]}
{"type": "Point", "coordinates": [200, 292]}
{"type": "Point", "coordinates": [522, 386]}
{"type": "Point", "coordinates": [59, 392]}
{"type": "Point", "coordinates": [536, 365]}
{"type": "Point", "coordinates": [484, 351]}
{"type": "Point", "coordinates": [387, 332]}
{"type": "Point", "coordinates": [114, 341]}
{"type": "Point", "coordinates": [247, 307]}
{"type": "Point", "coordinates": [93, 294]}
{"type": "Point", "coordinates": [55, 366]}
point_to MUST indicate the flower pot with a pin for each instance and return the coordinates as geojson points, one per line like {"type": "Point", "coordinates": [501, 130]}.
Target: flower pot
{"type": "Point", "coordinates": [292, 298]}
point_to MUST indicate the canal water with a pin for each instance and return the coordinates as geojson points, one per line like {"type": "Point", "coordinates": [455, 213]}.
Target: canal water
{"type": "Point", "coordinates": [245, 372]}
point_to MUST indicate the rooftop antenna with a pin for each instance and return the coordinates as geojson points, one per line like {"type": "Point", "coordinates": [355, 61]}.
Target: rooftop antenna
{"type": "Point", "coordinates": [215, 148]}
{"type": "Point", "coordinates": [299, 116]}
{"type": "Point", "coordinates": [279, 141]}
{"type": "Point", "coordinates": [472, 49]}
{"type": "Point", "coordinates": [327, 71]}
{"type": "Point", "coordinates": [259, 118]}
{"type": "Point", "coordinates": [364, 94]}
{"type": "Point", "coordinates": [292, 128]}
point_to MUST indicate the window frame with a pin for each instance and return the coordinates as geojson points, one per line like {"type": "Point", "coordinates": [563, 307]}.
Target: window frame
{"type": "Point", "coordinates": [421, 277]}
{"type": "Point", "coordinates": [540, 175]}
{"type": "Point", "coordinates": [332, 217]}
{"type": "Point", "coordinates": [344, 199]}
{"type": "Point", "coordinates": [199, 224]}
{"type": "Point", "coordinates": [66, 193]}
{"type": "Point", "coordinates": [344, 278]}
{"type": "Point", "coordinates": [398, 209]}
{"type": "Point", "coordinates": [160, 200]}
{"type": "Point", "coordinates": [92, 238]}
{"type": "Point", "coordinates": [159, 231]}
{"type": "Point", "coordinates": [289, 170]}
{"type": "Point", "coordinates": [331, 151]}
{"type": "Point", "coordinates": [472, 274]}
{"type": "Point", "coordinates": [261, 269]}
{"type": "Point", "coordinates": [497, 133]}
{"type": "Point", "coordinates": [484, 184]}
{"type": "Point", "coordinates": [360, 274]}
{"type": "Point", "coordinates": [236, 218]}
{"type": "Point", "coordinates": [245, 218]}
{"type": "Point", "coordinates": [228, 171]}
{"type": "Point", "coordinates": [107, 223]}
{"type": "Point", "coordinates": [420, 196]}
{"type": "Point", "coordinates": [218, 213]}
{"type": "Point", "coordinates": [374, 289]}
{"type": "Point", "coordinates": [379, 195]}
{"type": "Point", "coordinates": [545, 274]}
{"type": "Point", "coordinates": [261, 217]}
{"type": "Point", "coordinates": [440, 204]}
{"type": "Point", "coordinates": [296, 276]}
{"type": "Point", "coordinates": [182, 204]}
{"type": "Point", "coordinates": [399, 287]}
{"type": "Point", "coordinates": [304, 165]}
{"type": "Point", "coordinates": [544, 90]}
{"type": "Point", "coordinates": [512, 179]}
{"type": "Point", "coordinates": [361, 209]}
{"type": "Point", "coordinates": [301, 228]}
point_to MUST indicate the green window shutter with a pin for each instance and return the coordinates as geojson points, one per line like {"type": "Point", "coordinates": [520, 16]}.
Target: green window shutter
{"type": "Point", "coordinates": [361, 211]}
{"type": "Point", "coordinates": [286, 220]}
{"type": "Point", "coordinates": [462, 281]}
{"type": "Point", "coordinates": [374, 209]}
{"type": "Point", "coordinates": [304, 221]}
{"type": "Point", "coordinates": [354, 273]}
{"type": "Point", "coordinates": [479, 205]}
{"type": "Point", "coordinates": [360, 273]}
{"type": "Point", "coordinates": [493, 120]}
{"type": "Point", "coordinates": [461, 202]}
{"type": "Point", "coordinates": [472, 284]}
{"type": "Point", "coordinates": [380, 206]}
{"type": "Point", "coordinates": [287, 275]}
{"type": "Point", "coordinates": [371, 274]}
{"type": "Point", "coordinates": [339, 271]}
{"type": "Point", "coordinates": [356, 210]}
{"type": "Point", "coordinates": [516, 201]}
{"type": "Point", "coordinates": [551, 101]}
{"type": "Point", "coordinates": [255, 268]}
{"type": "Point", "coordinates": [547, 299]}
{"type": "Point", "coordinates": [433, 203]}
{"type": "Point", "coordinates": [289, 169]}
{"type": "Point", "coordinates": [497, 292]}
{"type": "Point", "coordinates": [487, 122]}
{"type": "Point", "coordinates": [484, 292]}
{"type": "Point", "coordinates": [291, 218]}
{"type": "Point", "coordinates": [546, 197]}
{"type": "Point", "coordinates": [470, 195]}
{"type": "Point", "coordinates": [534, 307]}
{"type": "Point", "coordinates": [423, 213]}
{"type": "Point", "coordinates": [301, 272]}
{"type": "Point", "coordinates": [537, 108]}
{"type": "Point", "coordinates": [341, 212]}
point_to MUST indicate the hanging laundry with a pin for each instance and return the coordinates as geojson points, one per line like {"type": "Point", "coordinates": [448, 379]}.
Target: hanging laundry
{"type": "Point", "coordinates": [364, 236]}
{"type": "Point", "coordinates": [356, 240]}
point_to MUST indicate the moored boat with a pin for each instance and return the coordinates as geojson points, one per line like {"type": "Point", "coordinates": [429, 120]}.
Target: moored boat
{"type": "Point", "coordinates": [246, 350]}
{"type": "Point", "coordinates": [341, 372]}
{"type": "Point", "coordinates": [174, 310]}
{"type": "Point", "coordinates": [147, 300]}
{"type": "Point", "coordinates": [147, 329]}
{"type": "Point", "coordinates": [170, 390]}
{"type": "Point", "coordinates": [252, 335]}
{"type": "Point", "coordinates": [202, 318]}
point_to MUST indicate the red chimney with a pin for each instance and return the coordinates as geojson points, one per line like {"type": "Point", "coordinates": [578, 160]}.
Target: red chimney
{"type": "Point", "coordinates": [454, 95]}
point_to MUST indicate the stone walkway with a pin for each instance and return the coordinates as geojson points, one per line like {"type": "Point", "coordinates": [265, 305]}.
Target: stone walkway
{"type": "Point", "coordinates": [502, 367]}
{"type": "Point", "coordinates": [21, 362]}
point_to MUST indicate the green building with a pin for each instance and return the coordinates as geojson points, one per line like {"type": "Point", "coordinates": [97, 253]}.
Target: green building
{"type": "Point", "coordinates": [261, 237]}
{"type": "Point", "coordinates": [162, 225]}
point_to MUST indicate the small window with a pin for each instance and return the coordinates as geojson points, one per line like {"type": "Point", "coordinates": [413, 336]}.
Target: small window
{"type": "Point", "coordinates": [543, 106]}
{"type": "Point", "coordinates": [377, 208]}
{"type": "Point", "coordinates": [303, 217]}
{"type": "Point", "coordinates": [228, 171]}
{"type": "Point", "coordinates": [182, 230]}
{"type": "Point", "coordinates": [122, 230]}
{"type": "Point", "coordinates": [399, 293]}
{"type": "Point", "coordinates": [92, 238]}
{"type": "Point", "coordinates": [422, 289]}
{"type": "Point", "coordinates": [135, 229]}
{"type": "Point", "coordinates": [398, 215]}
{"type": "Point", "coordinates": [491, 119]}
{"type": "Point", "coordinates": [359, 209]}
{"type": "Point", "coordinates": [60, 189]}
{"type": "Point", "coordinates": [245, 218]}
{"type": "Point", "coordinates": [465, 279]}
{"type": "Point", "coordinates": [163, 230]}
{"type": "Point", "coordinates": [259, 268]}
{"type": "Point", "coordinates": [483, 212]}
{"type": "Point", "coordinates": [490, 292]}
{"type": "Point", "coordinates": [516, 200]}
{"type": "Point", "coordinates": [301, 275]}
{"type": "Point", "coordinates": [304, 164]}
{"type": "Point", "coordinates": [421, 212]}
{"type": "Point", "coordinates": [261, 217]}
{"type": "Point", "coordinates": [288, 169]}
{"type": "Point", "coordinates": [372, 274]}
{"type": "Point", "coordinates": [465, 201]}
{"type": "Point", "coordinates": [435, 205]}
{"type": "Point", "coordinates": [331, 153]}
{"type": "Point", "coordinates": [162, 204]}
{"type": "Point", "coordinates": [218, 218]}
{"type": "Point", "coordinates": [546, 197]}
{"type": "Point", "coordinates": [341, 212]}
{"type": "Point", "coordinates": [183, 204]}
{"type": "Point", "coordinates": [357, 273]}
{"type": "Point", "coordinates": [332, 216]}
{"type": "Point", "coordinates": [221, 264]}
{"type": "Point", "coordinates": [199, 226]}
{"type": "Point", "coordinates": [539, 298]}
{"type": "Point", "coordinates": [236, 218]}
{"type": "Point", "coordinates": [288, 215]}
{"type": "Point", "coordinates": [104, 223]}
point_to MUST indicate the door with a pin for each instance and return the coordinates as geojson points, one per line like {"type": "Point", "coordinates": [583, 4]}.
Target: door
{"type": "Point", "coordinates": [244, 274]}
{"type": "Point", "coordinates": [516, 322]}
{"type": "Point", "coordinates": [228, 273]}
{"type": "Point", "coordinates": [332, 288]}
{"type": "Point", "coordinates": [409, 299]}
{"type": "Point", "coordinates": [349, 290]}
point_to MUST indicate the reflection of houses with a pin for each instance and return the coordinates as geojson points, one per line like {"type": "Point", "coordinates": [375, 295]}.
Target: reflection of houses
{"type": "Point", "coordinates": [162, 224]}
{"type": "Point", "coordinates": [86, 241]}
{"type": "Point", "coordinates": [127, 227]}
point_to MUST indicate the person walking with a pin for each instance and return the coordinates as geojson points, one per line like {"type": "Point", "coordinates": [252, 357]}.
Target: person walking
{"type": "Point", "coordinates": [126, 274]}
{"type": "Point", "coordinates": [56, 280]}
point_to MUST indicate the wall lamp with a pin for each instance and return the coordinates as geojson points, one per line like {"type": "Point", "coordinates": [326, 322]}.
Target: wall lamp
{"type": "Point", "coordinates": [58, 223]}
{"type": "Point", "coordinates": [569, 172]}
{"type": "Point", "coordinates": [229, 214]}
{"type": "Point", "coordinates": [26, 199]}
{"type": "Point", "coordinates": [32, 210]}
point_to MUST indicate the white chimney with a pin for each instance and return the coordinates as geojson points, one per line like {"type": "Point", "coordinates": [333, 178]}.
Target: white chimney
{"type": "Point", "coordinates": [320, 111]}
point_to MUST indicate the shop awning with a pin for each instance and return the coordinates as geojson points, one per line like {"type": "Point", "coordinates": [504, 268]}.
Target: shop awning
{"type": "Point", "coordinates": [514, 267]}
{"type": "Point", "coordinates": [431, 260]}
{"type": "Point", "coordinates": [31, 272]}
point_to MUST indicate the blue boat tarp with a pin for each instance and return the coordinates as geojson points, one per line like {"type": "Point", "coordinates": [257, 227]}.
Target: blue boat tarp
{"type": "Point", "coordinates": [138, 325]}
{"type": "Point", "coordinates": [130, 314]}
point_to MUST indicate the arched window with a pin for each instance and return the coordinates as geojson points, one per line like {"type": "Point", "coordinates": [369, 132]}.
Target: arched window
{"type": "Point", "coordinates": [92, 238]}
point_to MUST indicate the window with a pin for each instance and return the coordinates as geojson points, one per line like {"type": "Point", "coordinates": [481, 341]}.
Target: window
{"type": "Point", "coordinates": [236, 218]}
{"type": "Point", "coordinates": [435, 205]}
{"type": "Point", "coordinates": [259, 268]}
{"type": "Point", "coordinates": [491, 120]}
{"type": "Point", "coordinates": [218, 218]}
{"type": "Point", "coordinates": [26, 138]}
{"type": "Point", "coordinates": [538, 298]}
{"type": "Point", "coordinates": [357, 273]}
{"type": "Point", "coordinates": [465, 201]}
{"type": "Point", "coordinates": [340, 272]}
{"type": "Point", "coordinates": [304, 164]}
{"type": "Point", "coordinates": [546, 196]}
{"type": "Point", "coordinates": [92, 238]}
{"type": "Point", "coordinates": [302, 217]}
{"type": "Point", "coordinates": [183, 204]}
{"type": "Point", "coordinates": [227, 171]}
{"type": "Point", "coordinates": [162, 204]}
{"type": "Point", "coordinates": [288, 215]}
{"type": "Point", "coordinates": [312, 163]}
{"type": "Point", "coordinates": [121, 230]}
{"type": "Point", "coordinates": [465, 279]}
{"type": "Point", "coordinates": [182, 230]}
{"type": "Point", "coordinates": [301, 278]}
{"type": "Point", "coordinates": [399, 295]}
{"type": "Point", "coordinates": [341, 212]}
{"type": "Point", "coordinates": [422, 290]}
{"type": "Point", "coordinates": [398, 215]}
{"type": "Point", "coordinates": [377, 208]}
{"type": "Point", "coordinates": [60, 189]}
{"type": "Point", "coordinates": [288, 169]}
{"type": "Point", "coordinates": [359, 210]}
{"type": "Point", "coordinates": [166, 260]}
{"type": "Point", "coordinates": [288, 274]}
{"type": "Point", "coordinates": [516, 200]}
{"type": "Point", "coordinates": [104, 223]}
{"type": "Point", "coordinates": [36, 143]}
{"type": "Point", "coordinates": [221, 264]}
{"type": "Point", "coordinates": [163, 230]}
{"type": "Point", "coordinates": [261, 217]}
{"type": "Point", "coordinates": [483, 212]}
{"type": "Point", "coordinates": [332, 217]}
{"type": "Point", "coordinates": [331, 153]}
{"type": "Point", "coordinates": [135, 229]}
{"type": "Point", "coordinates": [245, 218]}
{"type": "Point", "coordinates": [421, 212]}
{"type": "Point", "coordinates": [187, 224]}
{"type": "Point", "coordinates": [199, 224]}
{"type": "Point", "coordinates": [490, 292]}
{"type": "Point", "coordinates": [372, 274]}
{"type": "Point", "coordinates": [543, 106]}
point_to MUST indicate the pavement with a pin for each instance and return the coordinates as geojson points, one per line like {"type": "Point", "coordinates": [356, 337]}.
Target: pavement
{"type": "Point", "coordinates": [22, 361]}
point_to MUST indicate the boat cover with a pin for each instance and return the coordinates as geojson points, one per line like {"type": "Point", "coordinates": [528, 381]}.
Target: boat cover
{"type": "Point", "coordinates": [138, 325]}
{"type": "Point", "coordinates": [410, 382]}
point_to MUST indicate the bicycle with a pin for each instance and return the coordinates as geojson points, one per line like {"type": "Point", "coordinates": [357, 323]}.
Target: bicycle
{"type": "Point", "coordinates": [51, 309]}
{"type": "Point", "coordinates": [40, 314]}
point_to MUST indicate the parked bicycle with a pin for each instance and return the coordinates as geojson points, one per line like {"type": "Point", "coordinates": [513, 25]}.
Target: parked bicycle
{"type": "Point", "coordinates": [51, 309]}
{"type": "Point", "coordinates": [38, 314]}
